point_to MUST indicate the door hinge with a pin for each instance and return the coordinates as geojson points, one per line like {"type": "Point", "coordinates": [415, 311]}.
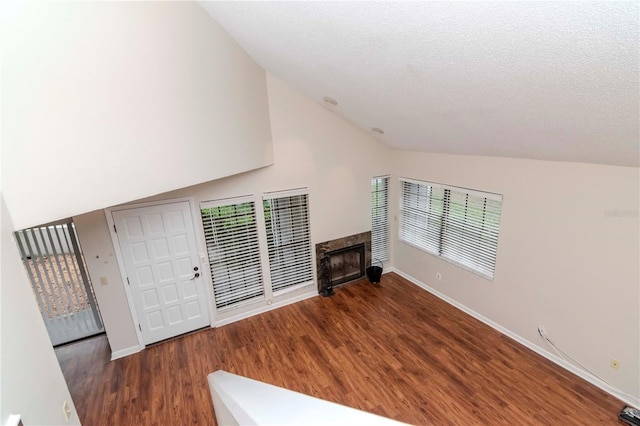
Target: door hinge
{"type": "Point", "coordinates": [115, 229]}
{"type": "Point", "coordinates": [128, 281]}
{"type": "Point", "coordinates": [139, 327]}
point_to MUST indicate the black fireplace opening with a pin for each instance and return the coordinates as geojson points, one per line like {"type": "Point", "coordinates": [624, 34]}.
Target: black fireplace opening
{"type": "Point", "coordinates": [346, 264]}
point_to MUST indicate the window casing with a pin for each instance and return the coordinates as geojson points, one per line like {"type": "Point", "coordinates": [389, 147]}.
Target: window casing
{"type": "Point", "coordinates": [231, 235]}
{"type": "Point", "coordinates": [380, 218]}
{"type": "Point", "coordinates": [257, 253]}
{"type": "Point", "coordinates": [458, 224]}
{"type": "Point", "coordinates": [286, 218]}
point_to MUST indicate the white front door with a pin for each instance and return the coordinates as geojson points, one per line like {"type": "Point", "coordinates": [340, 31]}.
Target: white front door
{"type": "Point", "coordinates": [159, 251]}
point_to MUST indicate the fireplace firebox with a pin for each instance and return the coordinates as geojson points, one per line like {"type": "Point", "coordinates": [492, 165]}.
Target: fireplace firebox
{"type": "Point", "coordinates": [346, 264]}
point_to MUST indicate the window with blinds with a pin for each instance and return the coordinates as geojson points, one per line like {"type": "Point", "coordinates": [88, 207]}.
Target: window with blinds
{"type": "Point", "coordinates": [460, 225]}
{"type": "Point", "coordinates": [231, 236]}
{"type": "Point", "coordinates": [286, 218]}
{"type": "Point", "coordinates": [421, 209]}
{"type": "Point", "coordinates": [380, 218]}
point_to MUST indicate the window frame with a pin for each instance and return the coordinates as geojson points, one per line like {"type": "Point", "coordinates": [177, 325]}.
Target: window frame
{"type": "Point", "coordinates": [380, 229]}
{"type": "Point", "coordinates": [451, 236]}
{"type": "Point", "coordinates": [300, 239]}
{"type": "Point", "coordinates": [255, 255]}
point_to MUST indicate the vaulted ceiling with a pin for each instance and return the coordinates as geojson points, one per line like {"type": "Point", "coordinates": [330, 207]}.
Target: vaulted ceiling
{"type": "Point", "coordinates": [540, 80]}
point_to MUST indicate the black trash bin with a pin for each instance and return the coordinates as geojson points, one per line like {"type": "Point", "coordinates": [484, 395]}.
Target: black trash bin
{"type": "Point", "coordinates": [374, 272]}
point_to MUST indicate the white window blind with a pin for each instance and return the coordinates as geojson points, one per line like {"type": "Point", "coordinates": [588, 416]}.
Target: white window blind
{"type": "Point", "coordinates": [458, 224]}
{"type": "Point", "coordinates": [286, 217]}
{"type": "Point", "coordinates": [231, 236]}
{"type": "Point", "coordinates": [421, 208]}
{"type": "Point", "coordinates": [380, 218]}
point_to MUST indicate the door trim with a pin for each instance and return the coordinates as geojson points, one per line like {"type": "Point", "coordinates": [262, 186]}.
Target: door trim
{"type": "Point", "coordinates": [108, 212]}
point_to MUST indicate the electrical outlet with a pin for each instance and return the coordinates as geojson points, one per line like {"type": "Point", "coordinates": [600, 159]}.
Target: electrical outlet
{"type": "Point", "coordinates": [66, 410]}
{"type": "Point", "coordinates": [615, 364]}
{"type": "Point", "coordinates": [439, 276]}
{"type": "Point", "coordinates": [103, 281]}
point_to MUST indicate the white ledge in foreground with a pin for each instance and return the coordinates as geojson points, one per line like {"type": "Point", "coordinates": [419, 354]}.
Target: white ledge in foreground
{"type": "Point", "coordinates": [238, 400]}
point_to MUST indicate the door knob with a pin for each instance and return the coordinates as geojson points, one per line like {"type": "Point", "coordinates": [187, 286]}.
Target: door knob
{"type": "Point", "coordinates": [196, 275]}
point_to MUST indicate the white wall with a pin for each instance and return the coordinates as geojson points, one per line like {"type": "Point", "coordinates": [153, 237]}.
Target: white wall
{"type": "Point", "coordinates": [115, 101]}
{"type": "Point", "coordinates": [563, 261]}
{"type": "Point", "coordinates": [102, 263]}
{"type": "Point", "coordinates": [313, 148]}
{"type": "Point", "coordinates": [30, 377]}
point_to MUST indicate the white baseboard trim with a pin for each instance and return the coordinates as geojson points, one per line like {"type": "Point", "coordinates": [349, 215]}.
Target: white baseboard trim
{"type": "Point", "coordinates": [125, 352]}
{"type": "Point", "coordinates": [623, 396]}
{"type": "Point", "coordinates": [134, 349]}
{"type": "Point", "coordinates": [266, 308]}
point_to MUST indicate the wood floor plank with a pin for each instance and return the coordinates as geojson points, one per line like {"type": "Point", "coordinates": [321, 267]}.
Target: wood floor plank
{"type": "Point", "coordinates": [390, 349]}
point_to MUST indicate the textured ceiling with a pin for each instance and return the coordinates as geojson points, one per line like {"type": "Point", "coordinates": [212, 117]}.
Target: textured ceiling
{"type": "Point", "coordinates": [542, 80]}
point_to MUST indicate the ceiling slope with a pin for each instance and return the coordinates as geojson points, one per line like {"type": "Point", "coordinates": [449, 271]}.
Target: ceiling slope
{"type": "Point", "coordinates": [541, 80]}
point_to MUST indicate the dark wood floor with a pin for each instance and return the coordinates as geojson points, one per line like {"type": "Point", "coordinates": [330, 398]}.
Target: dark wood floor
{"type": "Point", "coordinates": [391, 349]}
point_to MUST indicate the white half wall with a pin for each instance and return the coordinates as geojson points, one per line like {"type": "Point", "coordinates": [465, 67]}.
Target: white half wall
{"type": "Point", "coordinates": [568, 255]}
{"type": "Point", "coordinates": [238, 400]}
{"type": "Point", "coordinates": [108, 102]}
{"type": "Point", "coordinates": [313, 148]}
{"type": "Point", "coordinates": [30, 377]}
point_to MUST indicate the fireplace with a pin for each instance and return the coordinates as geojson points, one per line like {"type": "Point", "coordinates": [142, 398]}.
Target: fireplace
{"type": "Point", "coordinates": [346, 264]}
{"type": "Point", "coordinates": [342, 260]}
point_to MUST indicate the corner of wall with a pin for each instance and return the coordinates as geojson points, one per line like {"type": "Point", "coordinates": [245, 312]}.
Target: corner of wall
{"type": "Point", "coordinates": [31, 379]}
{"type": "Point", "coordinates": [108, 287]}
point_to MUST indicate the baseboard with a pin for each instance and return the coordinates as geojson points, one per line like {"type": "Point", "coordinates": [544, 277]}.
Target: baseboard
{"type": "Point", "coordinates": [125, 352]}
{"type": "Point", "coordinates": [617, 393]}
{"type": "Point", "coordinates": [266, 308]}
{"type": "Point", "coordinates": [134, 349]}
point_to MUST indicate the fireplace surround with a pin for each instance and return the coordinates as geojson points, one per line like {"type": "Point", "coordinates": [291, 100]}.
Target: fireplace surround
{"type": "Point", "coordinates": [342, 260]}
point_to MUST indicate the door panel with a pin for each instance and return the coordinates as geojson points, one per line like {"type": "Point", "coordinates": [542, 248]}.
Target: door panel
{"type": "Point", "coordinates": [159, 252]}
